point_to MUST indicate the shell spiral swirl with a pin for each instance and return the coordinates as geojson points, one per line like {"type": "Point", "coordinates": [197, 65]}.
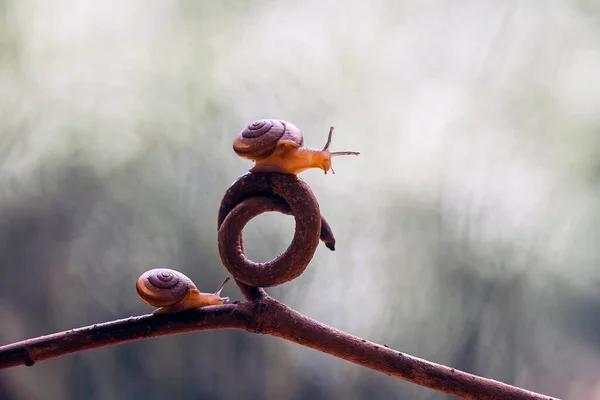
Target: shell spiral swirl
{"type": "Point", "coordinates": [259, 139]}
{"type": "Point", "coordinates": [161, 287]}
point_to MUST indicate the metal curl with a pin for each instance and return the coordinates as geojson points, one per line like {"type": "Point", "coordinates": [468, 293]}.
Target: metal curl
{"type": "Point", "coordinates": [253, 194]}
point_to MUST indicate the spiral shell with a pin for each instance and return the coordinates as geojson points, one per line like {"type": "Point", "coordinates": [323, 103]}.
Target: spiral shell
{"type": "Point", "coordinates": [259, 139]}
{"type": "Point", "coordinates": [163, 287]}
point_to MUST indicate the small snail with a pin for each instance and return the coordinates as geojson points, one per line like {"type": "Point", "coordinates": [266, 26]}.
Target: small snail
{"type": "Point", "coordinates": [173, 292]}
{"type": "Point", "coordinates": [276, 146]}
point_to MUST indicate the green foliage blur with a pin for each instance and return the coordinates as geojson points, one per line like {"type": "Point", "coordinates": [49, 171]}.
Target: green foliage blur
{"type": "Point", "coordinates": [467, 229]}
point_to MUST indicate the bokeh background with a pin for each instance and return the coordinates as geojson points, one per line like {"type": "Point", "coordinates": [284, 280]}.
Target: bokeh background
{"type": "Point", "coordinates": [467, 229]}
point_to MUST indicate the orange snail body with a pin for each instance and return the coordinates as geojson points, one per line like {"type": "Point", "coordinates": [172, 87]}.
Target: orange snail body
{"type": "Point", "coordinates": [277, 146]}
{"type": "Point", "coordinates": [173, 292]}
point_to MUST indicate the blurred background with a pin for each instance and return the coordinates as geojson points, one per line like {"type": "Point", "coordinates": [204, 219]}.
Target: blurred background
{"type": "Point", "coordinates": [467, 229]}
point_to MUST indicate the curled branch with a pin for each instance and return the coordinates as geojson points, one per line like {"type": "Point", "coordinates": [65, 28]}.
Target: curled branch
{"type": "Point", "coordinates": [256, 193]}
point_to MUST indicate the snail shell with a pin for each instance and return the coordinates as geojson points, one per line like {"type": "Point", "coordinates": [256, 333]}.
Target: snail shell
{"type": "Point", "coordinates": [260, 138]}
{"type": "Point", "coordinates": [161, 287]}
{"type": "Point", "coordinates": [172, 291]}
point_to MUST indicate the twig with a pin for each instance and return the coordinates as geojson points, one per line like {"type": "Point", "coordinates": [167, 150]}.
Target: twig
{"type": "Point", "coordinates": [266, 316]}
{"type": "Point", "coordinates": [249, 196]}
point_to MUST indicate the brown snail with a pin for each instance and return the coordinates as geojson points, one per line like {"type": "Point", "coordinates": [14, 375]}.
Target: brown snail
{"type": "Point", "coordinates": [277, 146]}
{"type": "Point", "coordinates": [173, 292]}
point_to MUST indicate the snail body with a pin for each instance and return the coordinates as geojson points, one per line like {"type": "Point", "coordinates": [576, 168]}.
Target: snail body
{"type": "Point", "coordinates": [173, 292]}
{"type": "Point", "coordinates": [277, 146]}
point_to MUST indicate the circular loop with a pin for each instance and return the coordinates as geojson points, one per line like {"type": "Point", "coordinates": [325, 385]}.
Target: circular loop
{"type": "Point", "coordinates": [161, 287]}
{"type": "Point", "coordinates": [256, 193]}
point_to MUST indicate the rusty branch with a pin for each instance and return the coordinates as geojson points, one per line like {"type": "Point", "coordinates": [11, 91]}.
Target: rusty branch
{"type": "Point", "coordinates": [266, 316]}
{"type": "Point", "coordinates": [252, 194]}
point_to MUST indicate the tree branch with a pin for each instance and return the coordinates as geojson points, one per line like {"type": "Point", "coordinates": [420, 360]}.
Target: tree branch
{"type": "Point", "coordinates": [249, 196]}
{"type": "Point", "coordinates": [265, 316]}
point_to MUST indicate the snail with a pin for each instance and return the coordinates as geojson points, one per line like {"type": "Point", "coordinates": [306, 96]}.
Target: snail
{"type": "Point", "coordinates": [277, 146]}
{"type": "Point", "coordinates": [173, 292]}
